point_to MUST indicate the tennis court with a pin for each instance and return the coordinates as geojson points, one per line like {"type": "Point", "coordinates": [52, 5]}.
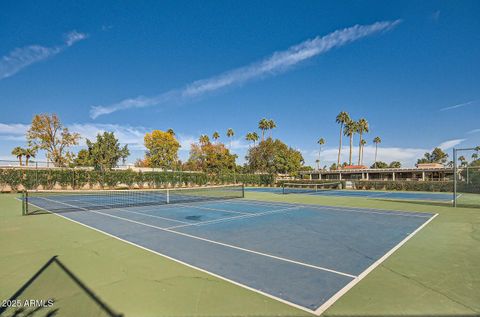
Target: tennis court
{"type": "Point", "coordinates": [446, 197]}
{"type": "Point", "coordinates": [303, 255]}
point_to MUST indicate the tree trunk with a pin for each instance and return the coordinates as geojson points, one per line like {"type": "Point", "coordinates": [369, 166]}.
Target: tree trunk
{"type": "Point", "coordinates": [20, 160]}
{"type": "Point", "coordinates": [351, 150]}
{"type": "Point", "coordinates": [263, 135]}
{"type": "Point", "coordinates": [340, 146]}
{"type": "Point", "coordinates": [376, 149]}
{"type": "Point", "coordinates": [26, 160]}
{"type": "Point", "coordinates": [360, 150]}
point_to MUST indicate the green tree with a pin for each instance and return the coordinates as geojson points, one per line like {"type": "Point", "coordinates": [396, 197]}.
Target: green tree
{"type": "Point", "coordinates": [19, 152]}
{"type": "Point", "coordinates": [462, 160]}
{"type": "Point", "coordinates": [377, 141]}
{"type": "Point", "coordinates": [29, 153]}
{"type": "Point", "coordinates": [263, 125]}
{"type": "Point", "coordinates": [362, 127]}
{"type": "Point", "coordinates": [204, 139]}
{"type": "Point", "coordinates": [171, 132]}
{"type": "Point", "coordinates": [230, 134]}
{"type": "Point", "coordinates": [437, 156]}
{"type": "Point", "coordinates": [379, 164]}
{"type": "Point", "coordinates": [47, 133]}
{"type": "Point", "coordinates": [83, 158]}
{"type": "Point", "coordinates": [106, 152]}
{"type": "Point", "coordinates": [395, 164]}
{"type": "Point", "coordinates": [342, 119]}
{"type": "Point", "coordinates": [162, 149]}
{"type": "Point", "coordinates": [351, 128]}
{"type": "Point", "coordinates": [274, 156]}
{"type": "Point", "coordinates": [363, 143]}
{"type": "Point", "coordinates": [271, 125]}
{"type": "Point", "coordinates": [333, 167]}
{"type": "Point", "coordinates": [320, 142]}
{"type": "Point", "coordinates": [215, 136]}
{"type": "Point", "coordinates": [210, 158]}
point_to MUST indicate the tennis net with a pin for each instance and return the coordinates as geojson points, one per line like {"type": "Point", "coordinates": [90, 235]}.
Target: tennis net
{"type": "Point", "coordinates": [300, 188]}
{"type": "Point", "coordinates": [57, 201]}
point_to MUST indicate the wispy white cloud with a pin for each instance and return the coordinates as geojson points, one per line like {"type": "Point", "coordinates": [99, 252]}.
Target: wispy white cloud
{"type": "Point", "coordinates": [460, 105]}
{"type": "Point", "coordinates": [446, 145]}
{"type": "Point", "coordinates": [407, 156]}
{"type": "Point", "coordinates": [473, 131]}
{"type": "Point", "coordinates": [277, 63]}
{"type": "Point", "coordinates": [19, 58]}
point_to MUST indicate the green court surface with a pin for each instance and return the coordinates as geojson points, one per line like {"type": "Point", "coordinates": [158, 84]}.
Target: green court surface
{"type": "Point", "coordinates": [434, 273]}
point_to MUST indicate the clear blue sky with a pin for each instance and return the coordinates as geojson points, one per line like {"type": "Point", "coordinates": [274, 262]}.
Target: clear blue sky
{"type": "Point", "coordinates": [198, 67]}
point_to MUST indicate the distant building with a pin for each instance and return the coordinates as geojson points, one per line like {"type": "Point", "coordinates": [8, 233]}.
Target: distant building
{"type": "Point", "coordinates": [423, 172]}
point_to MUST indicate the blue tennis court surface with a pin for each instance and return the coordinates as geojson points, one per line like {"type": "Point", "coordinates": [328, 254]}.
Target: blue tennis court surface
{"type": "Point", "coordinates": [365, 194]}
{"type": "Point", "coordinates": [302, 255]}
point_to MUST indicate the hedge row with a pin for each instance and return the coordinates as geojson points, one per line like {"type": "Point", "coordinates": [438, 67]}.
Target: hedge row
{"type": "Point", "coordinates": [68, 178]}
{"type": "Point", "coordinates": [425, 186]}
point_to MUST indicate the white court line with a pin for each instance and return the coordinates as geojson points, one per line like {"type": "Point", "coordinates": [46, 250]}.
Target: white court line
{"type": "Point", "coordinates": [143, 214]}
{"type": "Point", "coordinates": [347, 287]}
{"type": "Point", "coordinates": [214, 242]}
{"type": "Point", "coordinates": [388, 212]}
{"type": "Point", "coordinates": [214, 209]}
{"type": "Point", "coordinates": [221, 220]}
{"type": "Point", "coordinates": [187, 264]}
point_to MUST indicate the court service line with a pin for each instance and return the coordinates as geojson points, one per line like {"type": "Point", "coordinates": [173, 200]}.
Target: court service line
{"type": "Point", "coordinates": [144, 214]}
{"type": "Point", "coordinates": [221, 220]}
{"type": "Point", "coordinates": [352, 283]}
{"type": "Point", "coordinates": [214, 209]}
{"type": "Point", "coordinates": [186, 264]}
{"type": "Point", "coordinates": [389, 212]}
{"type": "Point", "coordinates": [215, 242]}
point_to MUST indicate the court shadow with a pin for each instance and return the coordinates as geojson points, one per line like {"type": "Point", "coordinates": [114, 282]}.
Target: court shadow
{"type": "Point", "coordinates": [55, 291]}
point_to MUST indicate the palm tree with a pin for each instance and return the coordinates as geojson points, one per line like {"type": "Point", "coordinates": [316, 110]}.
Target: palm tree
{"type": "Point", "coordinates": [321, 142]}
{"type": "Point", "coordinates": [377, 141]}
{"type": "Point", "coordinates": [215, 136]}
{"type": "Point", "coordinates": [462, 160]}
{"type": "Point", "coordinates": [254, 138]}
{"type": "Point", "coordinates": [19, 153]}
{"type": "Point", "coordinates": [474, 156]}
{"type": "Point", "coordinates": [29, 153]}
{"type": "Point", "coordinates": [263, 125]}
{"type": "Point", "coordinates": [271, 125]}
{"type": "Point", "coordinates": [204, 139]}
{"type": "Point", "coordinates": [318, 164]}
{"type": "Point", "coordinates": [363, 146]}
{"type": "Point", "coordinates": [170, 131]}
{"type": "Point", "coordinates": [249, 137]}
{"type": "Point", "coordinates": [342, 119]}
{"type": "Point", "coordinates": [350, 130]}
{"type": "Point", "coordinates": [362, 127]}
{"type": "Point", "coordinates": [230, 134]}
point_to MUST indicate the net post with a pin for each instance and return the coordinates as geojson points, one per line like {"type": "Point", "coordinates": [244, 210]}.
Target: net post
{"type": "Point", "coordinates": [454, 177]}
{"type": "Point", "coordinates": [24, 203]}
{"type": "Point", "coordinates": [283, 188]}
{"type": "Point", "coordinates": [168, 196]}
{"type": "Point", "coordinates": [243, 190]}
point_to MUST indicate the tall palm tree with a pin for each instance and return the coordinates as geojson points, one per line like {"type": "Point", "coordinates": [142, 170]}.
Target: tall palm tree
{"type": "Point", "coordinates": [474, 156]}
{"type": "Point", "coordinates": [29, 153]}
{"type": "Point", "coordinates": [254, 138]}
{"type": "Point", "coordinates": [342, 119]}
{"type": "Point", "coordinates": [321, 142]}
{"type": "Point", "coordinates": [249, 137]}
{"type": "Point", "coordinates": [350, 130]}
{"type": "Point", "coordinates": [215, 136]}
{"type": "Point", "coordinates": [363, 146]}
{"type": "Point", "coordinates": [204, 139]}
{"type": "Point", "coordinates": [19, 153]}
{"type": "Point", "coordinates": [230, 134]}
{"type": "Point", "coordinates": [318, 164]}
{"type": "Point", "coordinates": [263, 125]}
{"type": "Point", "coordinates": [362, 127]}
{"type": "Point", "coordinates": [271, 125]}
{"type": "Point", "coordinates": [377, 141]}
